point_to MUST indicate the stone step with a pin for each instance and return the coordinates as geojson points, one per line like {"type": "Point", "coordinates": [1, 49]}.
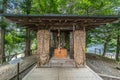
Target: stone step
{"type": "Point", "coordinates": [60, 63]}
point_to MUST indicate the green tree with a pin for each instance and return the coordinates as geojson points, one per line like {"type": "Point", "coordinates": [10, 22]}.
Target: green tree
{"type": "Point", "coordinates": [26, 6]}
{"type": "Point", "coordinates": [3, 26]}
{"type": "Point", "coordinates": [45, 7]}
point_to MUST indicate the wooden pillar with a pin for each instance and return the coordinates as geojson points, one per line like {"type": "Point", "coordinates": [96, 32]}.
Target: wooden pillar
{"type": "Point", "coordinates": [55, 40]}
{"type": "Point", "coordinates": [43, 40]}
{"type": "Point", "coordinates": [28, 44]}
{"type": "Point", "coordinates": [3, 45]}
{"type": "Point", "coordinates": [71, 45]}
{"type": "Point", "coordinates": [51, 44]}
{"type": "Point", "coordinates": [79, 47]}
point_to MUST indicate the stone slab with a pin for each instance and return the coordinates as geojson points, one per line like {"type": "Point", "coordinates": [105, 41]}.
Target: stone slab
{"type": "Point", "coordinates": [62, 74]}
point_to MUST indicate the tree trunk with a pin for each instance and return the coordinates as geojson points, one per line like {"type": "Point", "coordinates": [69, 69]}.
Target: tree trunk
{"type": "Point", "coordinates": [43, 47]}
{"type": "Point", "coordinates": [106, 44]}
{"type": "Point", "coordinates": [4, 6]}
{"type": "Point", "coordinates": [79, 48]}
{"type": "Point", "coordinates": [105, 48]}
{"type": "Point", "coordinates": [118, 48]}
{"type": "Point", "coordinates": [28, 45]}
{"type": "Point", "coordinates": [3, 44]}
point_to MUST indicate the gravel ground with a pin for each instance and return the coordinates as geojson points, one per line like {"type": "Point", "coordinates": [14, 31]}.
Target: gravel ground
{"type": "Point", "coordinates": [103, 65]}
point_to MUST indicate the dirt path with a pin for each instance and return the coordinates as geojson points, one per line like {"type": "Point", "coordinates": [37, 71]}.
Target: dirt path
{"type": "Point", "coordinates": [104, 66]}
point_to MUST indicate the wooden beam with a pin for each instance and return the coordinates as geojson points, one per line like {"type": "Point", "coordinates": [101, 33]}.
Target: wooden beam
{"type": "Point", "coordinates": [61, 21]}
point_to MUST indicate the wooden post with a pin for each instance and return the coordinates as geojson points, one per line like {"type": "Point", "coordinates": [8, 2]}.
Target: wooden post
{"type": "Point", "coordinates": [3, 45]}
{"type": "Point", "coordinates": [18, 64]}
{"type": "Point", "coordinates": [55, 40]}
{"type": "Point", "coordinates": [51, 44]}
{"type": "Point", "coordinates": [28, 45]}
{"type": "Point", "coordinates": [79, 47]}
{"type": "Point", "coordinates": [43, 40]}
{"type": "Point", "coordinates": [59, 46]}
{"type": "Point", "coordinates": [71, 45]}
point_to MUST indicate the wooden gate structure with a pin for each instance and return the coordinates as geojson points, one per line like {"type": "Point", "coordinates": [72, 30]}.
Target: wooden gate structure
{"type": "Point", "coordinates": [76, 25]}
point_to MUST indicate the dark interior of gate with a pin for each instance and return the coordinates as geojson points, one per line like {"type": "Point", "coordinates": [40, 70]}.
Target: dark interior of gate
{"type": "Point", "coordinates": [60, 37]}
{"type": "Point", "coordinates": [62, 40]}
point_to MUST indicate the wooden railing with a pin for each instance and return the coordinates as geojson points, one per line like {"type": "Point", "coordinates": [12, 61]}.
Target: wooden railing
{"type": "Point", "coordinates": [98, 51]}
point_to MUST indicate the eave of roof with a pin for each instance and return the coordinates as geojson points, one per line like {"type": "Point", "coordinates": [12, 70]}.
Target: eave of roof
{"type": "Point", "coordinates": [66, 21]}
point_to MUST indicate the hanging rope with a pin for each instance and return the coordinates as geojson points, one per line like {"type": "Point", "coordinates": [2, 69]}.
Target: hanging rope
{"type": "Point", "coordinates": [59, 39]}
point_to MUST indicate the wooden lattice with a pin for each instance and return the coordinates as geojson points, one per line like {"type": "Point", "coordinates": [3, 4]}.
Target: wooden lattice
{"type": "Point", "coordinates": [43, 40]}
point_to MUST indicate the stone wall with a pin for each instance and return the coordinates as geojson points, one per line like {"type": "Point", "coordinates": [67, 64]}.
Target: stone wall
{"type": "Point", "coordinates": [8, 71]}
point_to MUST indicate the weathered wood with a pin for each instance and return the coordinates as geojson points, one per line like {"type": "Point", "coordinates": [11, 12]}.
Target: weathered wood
{"type": "Point", "coordinates": [51, 44]}
{"type": "Point", "coordinates": [79, 47]}
{"type": "Point", "coordinates": [68, 20]}
{"type": "Point", "coordinates": [3, 45]}
{"type": "Point", "coordinates": [55, 40]}
{"type": "Point", "coordinates": [43, 39]}
{"type": "Point", "coordinates": [28, 42]}
{"type": "Point", "coordinates": [60, 53]}
{"type": "Point", "coordinates": [59, 46]}
{"type": "Point", "coordinates": [63, 35]}
{"type": "Point", "coordinates": [71, 45]}
{"type": "Point", "coordinates": [118, 48]}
